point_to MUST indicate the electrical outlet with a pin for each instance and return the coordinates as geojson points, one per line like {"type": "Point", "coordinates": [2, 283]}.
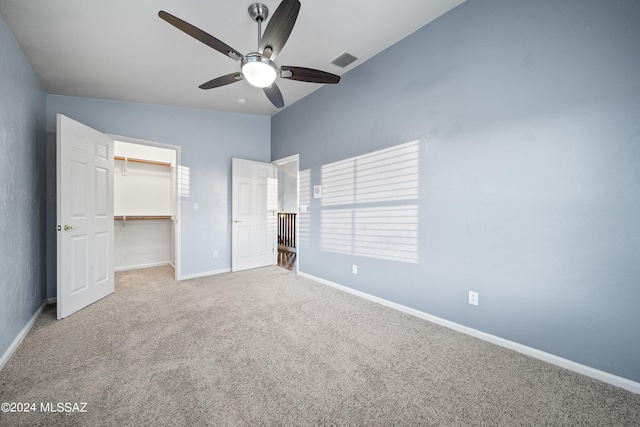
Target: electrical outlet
{"type": "Point", "coordinates": [473, 298]}
{"type": "Point", "coordinates": [354, 269]}
{"type": "Point", "coordinates": [215, 254]}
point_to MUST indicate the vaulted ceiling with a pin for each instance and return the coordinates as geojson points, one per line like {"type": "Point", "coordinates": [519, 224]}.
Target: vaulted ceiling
{"type": "Point", "coordinates": [122, 50]}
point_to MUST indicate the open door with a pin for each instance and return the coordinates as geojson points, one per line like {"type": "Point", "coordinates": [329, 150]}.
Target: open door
{"type": "Point", "coordinates": [85, 216]}
{"type": "Point", "coordinates": [254, 207]}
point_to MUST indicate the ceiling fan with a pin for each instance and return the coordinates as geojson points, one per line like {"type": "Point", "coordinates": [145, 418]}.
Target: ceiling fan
{"type": "Point", "coordinates": [259, 68]}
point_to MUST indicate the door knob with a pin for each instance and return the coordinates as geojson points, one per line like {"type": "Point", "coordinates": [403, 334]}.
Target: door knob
{"type": "Point", "coordinates": [67, 227]}
{"type": "Point", "coordinates": [237, 220]}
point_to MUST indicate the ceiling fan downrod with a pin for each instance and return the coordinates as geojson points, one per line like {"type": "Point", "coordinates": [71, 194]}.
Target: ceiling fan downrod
{"type": "Point", "coordinates": [259, 13]}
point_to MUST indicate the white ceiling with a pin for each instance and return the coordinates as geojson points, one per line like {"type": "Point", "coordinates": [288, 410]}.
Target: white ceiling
{"type": "Point", "coordinates": [122, 50]}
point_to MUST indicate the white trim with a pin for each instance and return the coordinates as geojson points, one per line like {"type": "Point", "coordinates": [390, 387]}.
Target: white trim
{"type": "Point", "coordinates": [606, 377]}
{"type": "Point", "coordinates": [53, 300]}
{"type": "Point", "coordinates": [136, 267]}
{"type": "Point", "coordinates": [204, 274]}
{"type": "Point", "coordinates": [293, 158]}
{"type": "Point", "coordinates": [21, 336]}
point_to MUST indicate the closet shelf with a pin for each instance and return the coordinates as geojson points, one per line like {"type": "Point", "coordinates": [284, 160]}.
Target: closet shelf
{"type": "Point", "coordinates": [141, 217]}
{"type": "Point", "coordinates": [149, 162]}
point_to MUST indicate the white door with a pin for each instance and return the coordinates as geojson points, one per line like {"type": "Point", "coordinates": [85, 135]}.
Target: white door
{"type": "Point", "coordinates": [254, 188]}
{"type": "Point", "coordinates": [85, 216]}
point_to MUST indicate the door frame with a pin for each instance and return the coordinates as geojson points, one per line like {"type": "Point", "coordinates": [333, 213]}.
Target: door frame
{"type": "Point", "coordinates": [280, 162]}
{"type": "Point", "coordinates": [177, 209]}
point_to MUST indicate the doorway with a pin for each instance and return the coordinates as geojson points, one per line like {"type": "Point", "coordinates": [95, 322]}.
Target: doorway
{"type": "Point", "coordinates": [85, 214]}
{"type": "Point", "coordinates": [287, 235]}
{"type": "Point", "coordinates": [146, 205]}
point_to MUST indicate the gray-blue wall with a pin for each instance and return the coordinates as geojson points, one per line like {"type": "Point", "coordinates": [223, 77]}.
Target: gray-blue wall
{"type": "Point", "coordinates": [209, 139]}
{"type": "Point", "coordinates": [22, 190]}
{"type": "Point", "coordinates": [527, 189]}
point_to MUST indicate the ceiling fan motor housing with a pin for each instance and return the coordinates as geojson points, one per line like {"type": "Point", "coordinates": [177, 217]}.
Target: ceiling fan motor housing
{"type": "Point", "coordinates": [258, 12]}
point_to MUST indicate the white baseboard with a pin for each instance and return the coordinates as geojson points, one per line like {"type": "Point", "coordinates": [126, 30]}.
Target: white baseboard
{"type": "Point", "coordinates": [615, 380]}
{"type": "Point", "coordinates": [136, 267]}
{"type": "Point", "coordinates": [206, 273]}
{"type": "Point", "coordinates": [18, 340]}
{"type": "Point", "coordinates": [52, 300]}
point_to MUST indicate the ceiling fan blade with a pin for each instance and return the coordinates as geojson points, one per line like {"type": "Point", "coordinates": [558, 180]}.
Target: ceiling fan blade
{"type": "Point", "coordinates": [222, 81]}
{"type": "Point", "coordinates": [274, 95]}
{"type": "Point", "coordinates": [200, 35]}
{"type": "Point", "coordinates": [279, 28]}
{"type": "Point", "coordinates": [308, 75]}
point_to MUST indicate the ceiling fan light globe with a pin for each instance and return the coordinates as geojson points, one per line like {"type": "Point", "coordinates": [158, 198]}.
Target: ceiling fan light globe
{"type": "Point", "coordinates": [258, 70]}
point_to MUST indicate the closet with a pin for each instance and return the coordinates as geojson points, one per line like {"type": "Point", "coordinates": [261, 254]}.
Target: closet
{"type": "Point", "coordinates": [144, 205]}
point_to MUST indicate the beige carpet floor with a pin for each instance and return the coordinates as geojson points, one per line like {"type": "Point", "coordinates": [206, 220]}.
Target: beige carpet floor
{"type": "Point", "coordinates": [266, 347]}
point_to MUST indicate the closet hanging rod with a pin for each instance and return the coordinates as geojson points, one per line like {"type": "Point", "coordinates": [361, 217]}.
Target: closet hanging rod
{"type": "Point", "coordinates": [149, 162]}
{"type": "Point", "coordinates": [140, 217]}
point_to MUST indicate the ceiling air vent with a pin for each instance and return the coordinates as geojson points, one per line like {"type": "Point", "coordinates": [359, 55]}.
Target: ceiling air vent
{"type": "Point", "coordinates": [344, 60]}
